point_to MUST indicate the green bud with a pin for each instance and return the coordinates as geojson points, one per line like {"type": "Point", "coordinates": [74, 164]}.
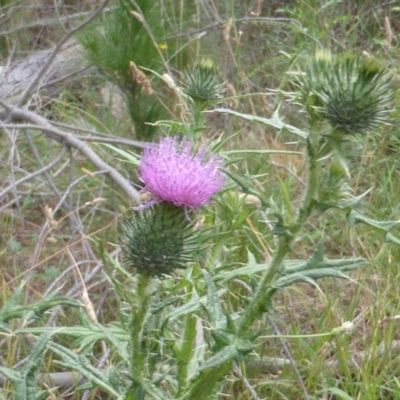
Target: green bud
{"type": "Point", "coordinates": [353, 94]}
{"type": "Point", "coordinates": [159, 239]}
{"type": "Point", "coordinates": [203, 83]}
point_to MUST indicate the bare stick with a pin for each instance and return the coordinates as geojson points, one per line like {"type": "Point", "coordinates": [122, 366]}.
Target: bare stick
{"type": "Point", "coordinates": [290, 357]}
{"type": "Point", "coordinates": [16, 114]}
{"type": "Point", "coordinates": [246, 382]}
{"type": "Point", "coordinates": [34, 174]}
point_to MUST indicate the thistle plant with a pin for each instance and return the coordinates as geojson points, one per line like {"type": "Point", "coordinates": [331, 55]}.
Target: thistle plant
{"type": "Point", "coordinates": [159, 239]}
{"type": "Point", "coordinates": [182, 339]}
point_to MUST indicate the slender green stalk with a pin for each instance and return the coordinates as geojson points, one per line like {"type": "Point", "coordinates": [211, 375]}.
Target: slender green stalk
{"type": "Point", "coordinates": [185, 351]}
{"type": "Point", "coordinates": [258, 303]}
{"type": "Point", "coordinates": [311, 190]}
{"type": "Point", "coordinates": [261, 301]}
{"type": "Point", "coordinates": [140, 306]}
{"type": "Point", "coordinates": [198, 122]}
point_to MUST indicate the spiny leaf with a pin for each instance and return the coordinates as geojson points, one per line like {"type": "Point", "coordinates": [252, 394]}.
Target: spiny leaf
{"type": "Point", "coordinates": [24, 381]}
{"type": "Point", "coordinates": [214, 309]}
{"type": "Point", "coordinates": [275, 121]}
{"type": "Point", "coordinates": [81, 364]}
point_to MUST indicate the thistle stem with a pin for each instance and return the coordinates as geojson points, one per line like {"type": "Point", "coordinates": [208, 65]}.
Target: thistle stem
{"type": "Point", "coordinates": [261, 301]}
{"type": "Point", "coordinates": [140, 307]}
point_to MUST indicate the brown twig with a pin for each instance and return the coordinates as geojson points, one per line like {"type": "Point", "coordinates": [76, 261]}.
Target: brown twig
{"type": "Point", "coordinates": [19, 114]}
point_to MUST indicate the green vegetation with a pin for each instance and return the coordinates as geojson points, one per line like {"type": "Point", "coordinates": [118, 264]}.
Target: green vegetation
{"type": "Point", "coordinates": [310, 146]}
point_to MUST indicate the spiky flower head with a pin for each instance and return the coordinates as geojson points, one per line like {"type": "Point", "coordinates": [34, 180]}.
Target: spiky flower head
{"type": "Point", "coordinates": [203, 83]}
{"type": "Point", "coordinates": [353, 94]}
{"type": "Point", "coordinates": [157, 240]}
{"type": "Point", "coordinates": [173, 171]}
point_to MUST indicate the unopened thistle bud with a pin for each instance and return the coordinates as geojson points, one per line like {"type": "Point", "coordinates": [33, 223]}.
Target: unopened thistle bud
{"type": "Point", "coordinates": [159, 239]}
{"type": "Point", "coordinates": [353, 94]}
{"type": "Point", "coordinates": [203, 83]}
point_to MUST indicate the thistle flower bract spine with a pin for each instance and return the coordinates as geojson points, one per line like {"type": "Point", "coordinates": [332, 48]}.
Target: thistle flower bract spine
{"type": "Point", "coordinates": [353, 94]}
{"type": "Point", "coordinates": [173, 171]}
{"type": "Point", "coordinates": [157, 240]}
{"type": "Point", "coordinates": [203, 83]}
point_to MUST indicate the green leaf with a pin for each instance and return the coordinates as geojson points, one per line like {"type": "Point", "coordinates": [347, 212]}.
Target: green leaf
{"type": "Point", "coordinates": [194, 304]}
{"type": "Point", "coordinates": [392, 239]}
{"type": "Point", "coordinates": [354, 217]}
{"type": "Point", "coordinates": [79, 363]}
{"type": "Point", "coordinates": [228, 353]}
{"type": "Point", "coordinates": [338, 152]}
{"type": "Point", "coordinates": [251, 268]}
{"type": "Point", "coordinates": [261, 152]}
{"type": "Point", "coordinates": [275, 121]}
{"type": "Point", "coordinates": [294, 271]}
{"type": "Point", "coordinates": [24, 381]}
{"type": "Point", "coordinates": [338, 393]}
{"type": "Point", "coordinates": [203, 386]}
{"type": "Point", "coordinates": [247, 186]}
{"type": "Point", "coordinates": [128, 156]}
{"type": "Point", "coordinates": [86, 336]}
{"type": "Point", "coordinates": [214, 309]}
{"type": "Point", "coordinates": [184, 351]}
{"type": "Point", "coordinates": [344, 205]}
{"type": "Point", "coordinates": [317, 267]}
{"type": "Point", "coordinates": [33, 311]}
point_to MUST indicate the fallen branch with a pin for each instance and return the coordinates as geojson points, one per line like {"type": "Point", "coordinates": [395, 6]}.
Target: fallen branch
{"type": "Point", "coordinates": [15, 114]}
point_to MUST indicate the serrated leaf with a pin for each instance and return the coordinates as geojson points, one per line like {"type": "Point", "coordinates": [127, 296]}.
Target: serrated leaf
{"type": "Point", "coordinates": [392, 239]}
{"type": "Point", "coordinates": [24, 381]}
{"type": "Point", "coordinates": [199, 351]}
{"type": "Point", "coordinates": [228, 353]}
{"type": "Point", "coordinates": [317, 267]}
{"type": "Point", "coordinates": [247, 186]}
{"type": "Point", "coordinates": [251, 268]}
{"type": "Point", "coordinates": [85, 335]}
{"type": "Point", "coordinates": [34, 311]}
{"type": "Point", "coordinates": [191, 306]}
{"type": "Point", "coordinates": [294, 271]}
{"type": "Point", "coordinates": [339, 153]}
{"type": "Point", "coordinates": [79, 363]}
{"type": "Point", "coordinates": [194, 304]}
{"type": "Point", "coordinates": [354, 217]}
{"type": "Point", "coordinates": [183, 352]}
{"type": "Point", "coordinates": [261, 152]}
{"type": "Point", "coordinates": [214, 308]}
{"type": "Point", "coordinates": [120, 345]}
{"type": "Point", "coordinates": [275, 121]}
{"type": "Point", "coordinates": [309, 277]}
{"type": "Point", "coordinates": [344, 205]}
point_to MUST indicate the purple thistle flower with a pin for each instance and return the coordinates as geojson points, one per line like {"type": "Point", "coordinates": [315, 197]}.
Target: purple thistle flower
{"type": "Point", "coordinates": [173, 172]}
